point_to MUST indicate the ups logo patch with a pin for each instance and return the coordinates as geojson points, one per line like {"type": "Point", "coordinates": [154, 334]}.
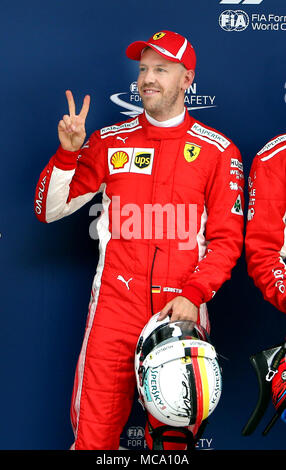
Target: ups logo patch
{"type": "Point", "coordinates": [142, 160]}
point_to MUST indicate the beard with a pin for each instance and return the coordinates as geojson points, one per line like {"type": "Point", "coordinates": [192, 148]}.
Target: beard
{"type": "Point", "coordinates": [163, 104]}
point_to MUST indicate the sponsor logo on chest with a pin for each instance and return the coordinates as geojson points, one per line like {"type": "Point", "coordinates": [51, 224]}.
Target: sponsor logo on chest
{"type": "Point", "coordinates": [130, 160]}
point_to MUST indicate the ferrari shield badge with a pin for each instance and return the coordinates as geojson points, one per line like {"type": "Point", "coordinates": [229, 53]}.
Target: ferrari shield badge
{"type": "Point", "coordinates": [191, 151]}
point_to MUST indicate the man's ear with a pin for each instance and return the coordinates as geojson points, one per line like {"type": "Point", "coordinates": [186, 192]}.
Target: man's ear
{"type": "Point", "coordinates": [189, 77]}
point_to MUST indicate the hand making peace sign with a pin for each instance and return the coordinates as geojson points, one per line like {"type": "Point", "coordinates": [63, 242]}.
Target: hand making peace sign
{"type": "Point", "coordinates": [71, 128]}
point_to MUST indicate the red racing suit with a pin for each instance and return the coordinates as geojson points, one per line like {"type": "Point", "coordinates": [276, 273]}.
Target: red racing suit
{"type": "Point", "coordinates": [265, 243]}
{"type": "Point", "coordinates": [189, 173]}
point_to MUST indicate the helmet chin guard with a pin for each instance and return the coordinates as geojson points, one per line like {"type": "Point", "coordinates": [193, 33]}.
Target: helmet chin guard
{"type": "Point", "coordinates": [177, 372]}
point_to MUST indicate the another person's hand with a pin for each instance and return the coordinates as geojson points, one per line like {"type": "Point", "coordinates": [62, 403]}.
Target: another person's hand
{"type": "Point", "coordinates": [71, 128]}
{"type": "Point", "coordinates": [179, 308]}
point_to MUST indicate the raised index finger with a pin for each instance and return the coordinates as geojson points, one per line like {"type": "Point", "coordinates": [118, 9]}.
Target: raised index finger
{"type": "Point", "coordinates": [71, 102]}
{"type": "Point", "coordinates": [85, 107]}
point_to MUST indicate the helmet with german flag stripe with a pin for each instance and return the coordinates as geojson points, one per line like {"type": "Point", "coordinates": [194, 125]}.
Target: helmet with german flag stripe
{"type": "Point", "coordinates": [178, 376]}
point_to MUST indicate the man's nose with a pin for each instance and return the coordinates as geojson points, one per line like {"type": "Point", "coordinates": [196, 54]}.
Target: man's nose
{"type": "Point", "coordinates": [149, 76]}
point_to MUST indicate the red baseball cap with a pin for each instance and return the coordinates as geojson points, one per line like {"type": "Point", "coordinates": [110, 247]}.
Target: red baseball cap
{"type": "Point", "coordinates": [170, 45]}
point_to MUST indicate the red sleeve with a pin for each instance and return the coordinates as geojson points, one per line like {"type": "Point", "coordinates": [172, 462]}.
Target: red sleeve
{"type": "Point", "coordinates": [70, 180]}
{"type": "Point", "coordinates": [224, 200]}
{"type": "Point", "coordinates": [265, 232]}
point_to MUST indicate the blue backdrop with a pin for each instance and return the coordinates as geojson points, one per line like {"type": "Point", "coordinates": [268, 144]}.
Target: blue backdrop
{"type": "Point", "coordinates": [47, 270]}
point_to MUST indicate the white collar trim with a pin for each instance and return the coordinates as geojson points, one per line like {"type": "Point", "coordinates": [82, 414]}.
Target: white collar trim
{"type": "Point", "coordinates": [175, 121]}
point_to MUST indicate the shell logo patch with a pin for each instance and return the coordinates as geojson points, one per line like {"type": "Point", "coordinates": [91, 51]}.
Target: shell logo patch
{"type": "Point", "coordinates": [158, 36]}
{"type": "Point", "coordinates": [119, 159]}
{"type": "Point", "coordinates": [191, 151]}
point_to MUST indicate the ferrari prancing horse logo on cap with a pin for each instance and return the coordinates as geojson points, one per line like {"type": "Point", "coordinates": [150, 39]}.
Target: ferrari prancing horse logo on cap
{"type": "Point", "coordinates": [191, 151]}
{"type": "Point", "coordinates": [158, 36]}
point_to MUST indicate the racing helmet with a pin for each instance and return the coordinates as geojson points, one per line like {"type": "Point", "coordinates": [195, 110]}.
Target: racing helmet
{"type": "Point", "coordinates": [177, 372]}
{"type": "Point", "coordinates": [270, 367]}
{"type": "Point", "coordinates": [279, 389]}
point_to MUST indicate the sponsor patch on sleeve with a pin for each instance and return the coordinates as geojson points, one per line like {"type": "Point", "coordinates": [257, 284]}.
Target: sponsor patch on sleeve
{"type": "Point", "coordinates": [212, 136]}
{"type": "Point", "coordinates": [235, 163]}
{"type": "Point", "coordinates": [236, 169]}
{"type": "Point", "coordinates": [114, 129]}
{"type": "Point", "coordinates": [270, 145]}
{"type": "Point", "coordinates": [237, 207]}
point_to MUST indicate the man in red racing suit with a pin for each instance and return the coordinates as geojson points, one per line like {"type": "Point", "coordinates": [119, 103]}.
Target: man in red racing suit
{"type": "Point", "coordinates": [265, 242]}
{"type": "Point", "coordinates": [150, 168]}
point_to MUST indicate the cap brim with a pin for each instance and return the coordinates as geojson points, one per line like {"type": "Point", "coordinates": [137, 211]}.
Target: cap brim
{"type": "Point", "coordinates": [135, 49]}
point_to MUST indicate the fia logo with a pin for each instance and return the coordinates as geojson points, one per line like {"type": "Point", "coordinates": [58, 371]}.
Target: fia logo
{"type": "Point", "coordinates": [234, 20]}
{"type": "Point", "coordinates": [135, 432]}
